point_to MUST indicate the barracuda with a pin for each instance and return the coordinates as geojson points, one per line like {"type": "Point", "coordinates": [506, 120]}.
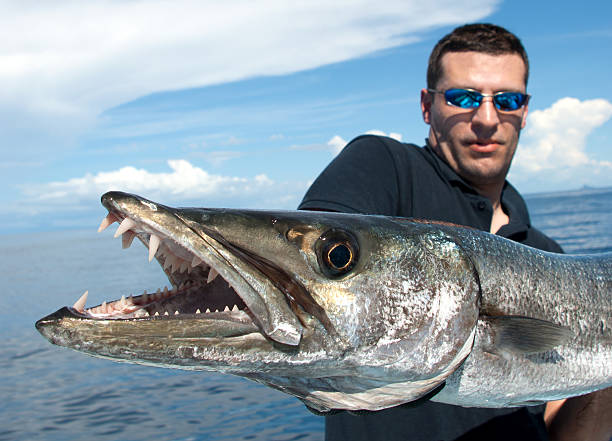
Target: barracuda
{"type": "Point", "coordinates": [353, 312]}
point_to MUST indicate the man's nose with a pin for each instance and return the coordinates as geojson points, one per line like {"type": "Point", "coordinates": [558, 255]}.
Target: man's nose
{"type": "Point", "coordinates": [486, 114]}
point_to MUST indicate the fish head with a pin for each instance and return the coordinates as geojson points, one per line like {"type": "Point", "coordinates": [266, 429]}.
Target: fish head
{"type": "Point", "coordinates": [341, 310]}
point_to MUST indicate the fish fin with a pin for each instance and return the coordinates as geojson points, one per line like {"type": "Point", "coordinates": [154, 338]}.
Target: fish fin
{"type": "Point", "coordinates": [525, 335]}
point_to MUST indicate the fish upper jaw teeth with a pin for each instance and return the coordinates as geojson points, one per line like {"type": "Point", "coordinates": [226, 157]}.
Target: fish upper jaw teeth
{"type": "Point", "coordinates": [126, 224]}
{"type": "Point", "coordinates": [154, 242]}
{"type": "Point", "coordinates": [107, 221]}
{"type": "Point", "coordinates": [172, 261]}
{"type": "Point", "coordinates": [212, 275]}
{"type": "Point", "coordinates": [127, 238]}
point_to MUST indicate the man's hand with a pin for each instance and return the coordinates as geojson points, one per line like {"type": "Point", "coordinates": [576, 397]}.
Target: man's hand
{"type": "Point", "coordinates": [583, 418]}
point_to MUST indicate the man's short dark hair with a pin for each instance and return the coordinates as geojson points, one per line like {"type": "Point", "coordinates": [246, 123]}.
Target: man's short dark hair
{"type": "Point", "coordinates": [479, 37]}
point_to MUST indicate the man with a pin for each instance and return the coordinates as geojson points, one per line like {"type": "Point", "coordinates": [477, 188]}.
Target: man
{"type": "Point", "coordinates": [476, 105]}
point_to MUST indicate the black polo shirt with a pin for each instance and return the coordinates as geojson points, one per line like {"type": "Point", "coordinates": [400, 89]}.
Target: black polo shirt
{"type": "Point", "coordinates": [379, 175]}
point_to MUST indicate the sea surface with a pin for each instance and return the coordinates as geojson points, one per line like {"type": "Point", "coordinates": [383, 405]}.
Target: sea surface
{"type": "Point", "coordinates": [52, 393]}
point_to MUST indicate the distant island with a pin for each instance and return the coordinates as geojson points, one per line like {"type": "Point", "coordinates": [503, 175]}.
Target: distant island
{"type": "Point", "coordinates": [584, 190]}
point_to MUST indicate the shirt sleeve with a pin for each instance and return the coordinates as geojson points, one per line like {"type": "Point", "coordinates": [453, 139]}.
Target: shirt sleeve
{"type": "Point", "coordinates": [361, 179]}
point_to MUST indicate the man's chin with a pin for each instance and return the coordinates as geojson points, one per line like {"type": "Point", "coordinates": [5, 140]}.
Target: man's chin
{"type": "Point", "coordinates": [483, 174]}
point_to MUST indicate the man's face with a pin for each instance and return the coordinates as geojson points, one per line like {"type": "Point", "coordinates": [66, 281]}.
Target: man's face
{"type": "Point", "coordinates": [477, 143]}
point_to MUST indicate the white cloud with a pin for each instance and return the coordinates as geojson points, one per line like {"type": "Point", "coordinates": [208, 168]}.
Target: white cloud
{"type": "Point", "coordinates": [556, 137]}
{"type": "Point", "coordinates": [553, 148]}
{"type": "Point", "coordinates": [69, 60]}
{"type": "Point", "coordinates": [396, 136]}
{"type": "Point", "coordinates": [184, 181]}
{"type": "Point", "coordinates": [74, 203]}
{"type": "Point", "coordinates": [337, 143]}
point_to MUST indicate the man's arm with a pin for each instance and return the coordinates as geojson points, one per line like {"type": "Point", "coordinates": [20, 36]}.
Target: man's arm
{"type": "Point", "coordinates": [585, 418]}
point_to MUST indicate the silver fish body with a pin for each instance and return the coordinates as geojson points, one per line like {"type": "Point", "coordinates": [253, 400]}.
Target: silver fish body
{"type": "Point", "coordinates": [354, 312]}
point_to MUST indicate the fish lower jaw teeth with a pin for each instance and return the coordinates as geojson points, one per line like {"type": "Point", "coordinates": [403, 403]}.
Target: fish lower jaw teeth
{"type": "Point", "coordinates": [106, 311]}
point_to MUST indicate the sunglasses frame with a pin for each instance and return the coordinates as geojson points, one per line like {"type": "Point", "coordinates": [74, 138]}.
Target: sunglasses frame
{"type": "Point", "coordinates": [482, 95]}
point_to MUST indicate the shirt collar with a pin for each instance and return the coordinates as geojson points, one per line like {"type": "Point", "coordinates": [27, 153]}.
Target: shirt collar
{"type": "Point", "coordinates": [511, 200]}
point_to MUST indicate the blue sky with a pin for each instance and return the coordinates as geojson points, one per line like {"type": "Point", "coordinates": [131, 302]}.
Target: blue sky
{"type": "Point", "coordinates": [243, 104]}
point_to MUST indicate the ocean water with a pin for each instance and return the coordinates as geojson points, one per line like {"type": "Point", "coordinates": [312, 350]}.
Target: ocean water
{"type": "Point", "coordinates": [52, 393]}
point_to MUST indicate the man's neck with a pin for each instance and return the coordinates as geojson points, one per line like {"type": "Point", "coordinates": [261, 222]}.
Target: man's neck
{"type": "Point", "coordinates": [493, 194]}
{"type": "Point", "coordinates": [491, 190]}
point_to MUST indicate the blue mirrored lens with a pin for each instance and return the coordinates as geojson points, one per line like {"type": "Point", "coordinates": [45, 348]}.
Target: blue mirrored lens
{"type": "Point", "coordinates": [509, 100]}
{"type": "Point", "coordinates": [466, 99]}
{"type": "Point", "coordinates": [470, 99]}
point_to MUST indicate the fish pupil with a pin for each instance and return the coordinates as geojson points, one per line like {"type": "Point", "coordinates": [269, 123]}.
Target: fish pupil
{"type": "Point", "coordinates": [340, 256]}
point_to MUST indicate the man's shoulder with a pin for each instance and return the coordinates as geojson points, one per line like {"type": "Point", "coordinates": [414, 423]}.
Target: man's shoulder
{"type": "Point", "coordinates": [371, 174]}
{"type": "Point", "coordinates": [369, 143]}
{"type": "Point", "coordinates": [394, 156]}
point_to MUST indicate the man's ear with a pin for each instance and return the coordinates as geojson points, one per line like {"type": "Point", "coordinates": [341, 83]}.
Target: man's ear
{"type": "Point", "coordinates": [426, 102]}
{"type": "Point", "coordinates": [524, 117]}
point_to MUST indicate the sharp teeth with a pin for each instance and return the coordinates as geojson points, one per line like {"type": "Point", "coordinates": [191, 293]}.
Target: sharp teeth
{"type": "Point", "coordinates": [184, 266]}
{"type": "Point", "coordinates": [104, 308]}
{"type": "Point", "coordinates": [226, 309]}
{"type": "Point", "coordinates": [168, 261]}
{"type": "Point", "coordinates": [196, 261]}
{"type": "Point", "coordinates": [207, 310]}
{"type": "Point", "coordinates": [141, 313]}
{"type": "Point", "coordinates": [235, 308]}
{"type": "Point", "coordinates": [176, 313]}
{"type": "Point", "coordinates": [198, 311]}
{"type": "Point", "coordinates": [79, 305]}
{"type": "Point", "coordinates": [166, 313]}
{"type": "Point", "coordinates": [212, 275]}
{"type": "Point", "coordinates": [109, 219]}
{"type": "Point", "coordinates": [126, 224]}
{"type": "Point", "coordinates": [154, 242]}
{"type": "Point", "coordinates": [127, 238]}
{"type": "Point", "coordinates": [156, 314]}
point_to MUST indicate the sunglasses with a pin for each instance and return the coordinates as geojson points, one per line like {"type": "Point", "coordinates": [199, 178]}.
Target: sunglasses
{"type": "Point", "coordinates": [471, 99]}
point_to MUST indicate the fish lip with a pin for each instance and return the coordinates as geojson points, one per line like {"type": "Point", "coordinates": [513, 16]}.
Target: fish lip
{"type": "Point", "coordinates": [54, 317]}
{"type": "Point", "coordinates": [284, 328]}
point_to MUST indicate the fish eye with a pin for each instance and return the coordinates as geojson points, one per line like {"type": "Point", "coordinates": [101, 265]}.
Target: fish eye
{"type": "Point", "coordinates": [337, 252]}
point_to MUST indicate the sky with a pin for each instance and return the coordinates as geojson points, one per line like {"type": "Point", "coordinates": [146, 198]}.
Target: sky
{"type": "Point", "coordinates": [243, 103]}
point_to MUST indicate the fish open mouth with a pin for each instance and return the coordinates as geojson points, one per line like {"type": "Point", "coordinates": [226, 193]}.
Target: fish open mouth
{"type": "Point", "coordinates": [197, 288]}
{"type": "Point", "coordinates": [210, 277]}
